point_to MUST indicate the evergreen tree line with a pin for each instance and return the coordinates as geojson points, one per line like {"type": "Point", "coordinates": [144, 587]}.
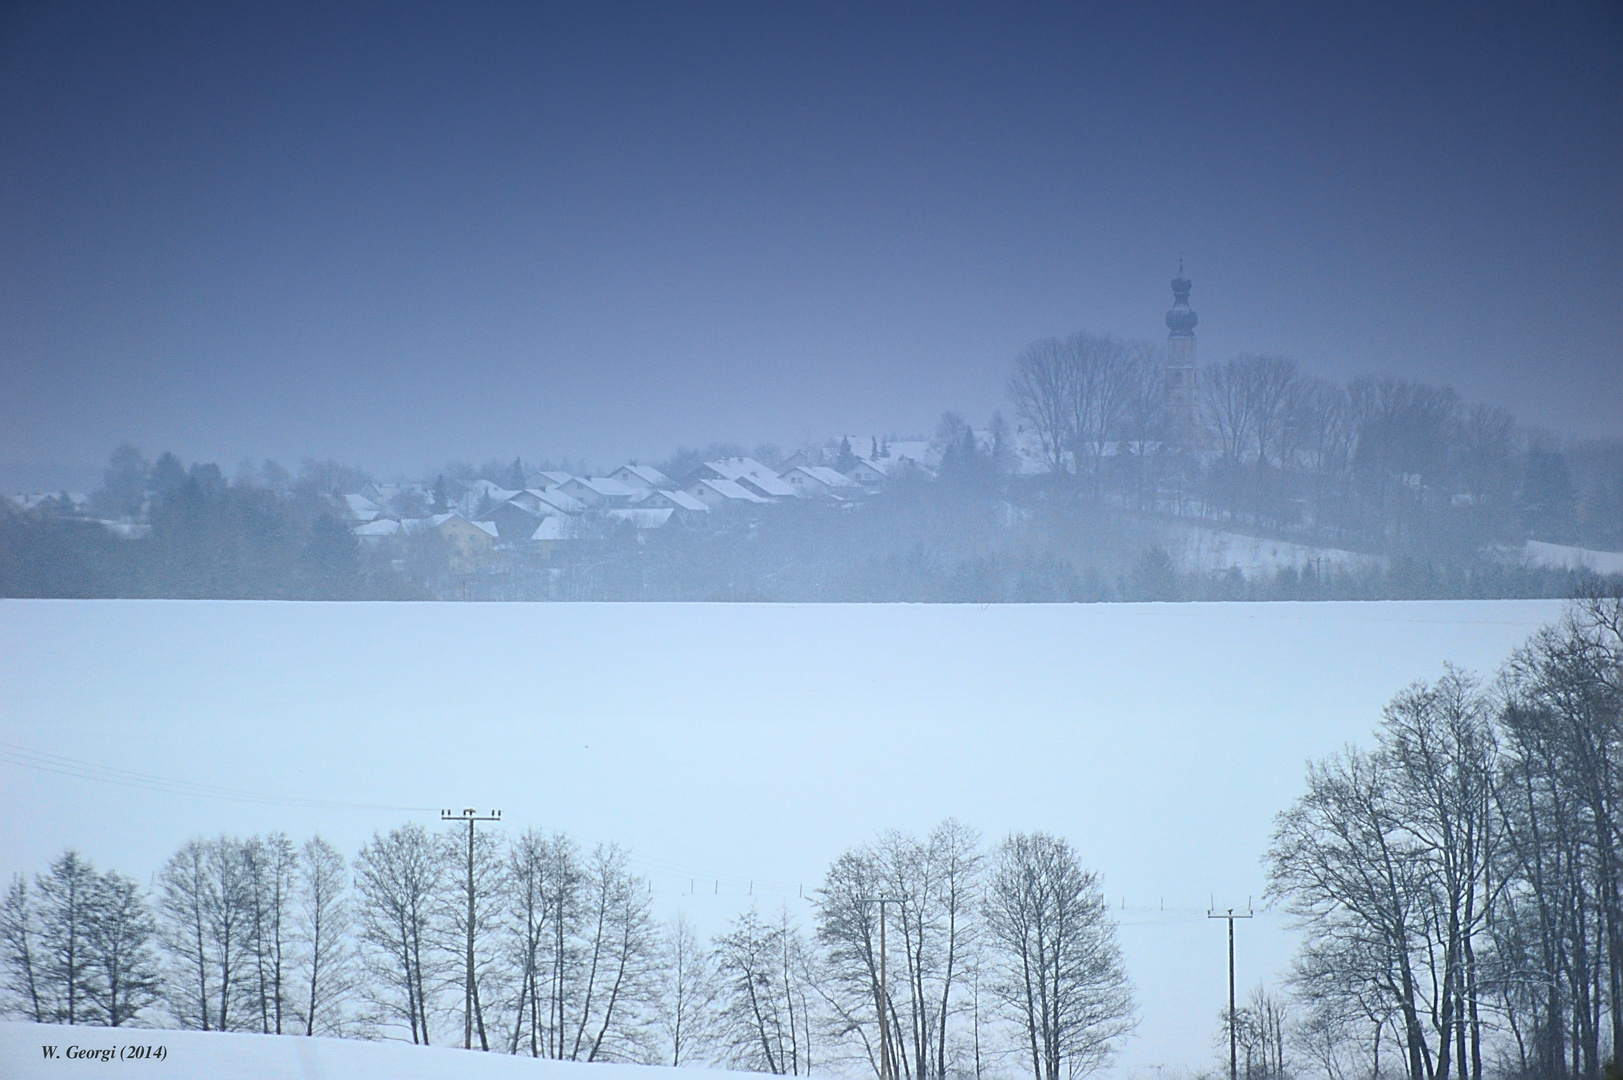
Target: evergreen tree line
{"type": "Point", "coordinates": [996, 962]}
{"type": "Point", "coordinates": [1459, 884]}
{"type": "Point", "coordinates": [197, 536]}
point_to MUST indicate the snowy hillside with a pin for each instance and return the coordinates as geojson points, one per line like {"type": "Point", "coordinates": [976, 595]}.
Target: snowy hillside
{"type": "Point", "coordinates": [1215, 551]}
{"type": "Point", "coordinates": [1565, 557]}
{"type": "Point", "coordinates": [199, 1055]}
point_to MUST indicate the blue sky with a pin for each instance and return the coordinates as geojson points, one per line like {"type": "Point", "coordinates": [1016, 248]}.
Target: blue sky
{"type": "Point", "coordinates": [399, 234]}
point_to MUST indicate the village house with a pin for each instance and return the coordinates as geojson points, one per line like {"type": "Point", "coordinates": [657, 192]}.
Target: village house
{"type": "Point", "coordinates": [870, 473]}
{"type": "Point", "coordinates": [724, 493]}
{"type": "Point", "coordinates": [752, 475]}
{"type": "Point", "coordinates": [643, 477]}
{"type": "Point", "coordinates": [669, 499]}
{"type": "Point", "coordinates": [545, 479]}
{"type": "Point", "coordinates": [471, 541]}
{"type": "Point", "coordinates": [552, 501]}
{"type": "Point", "coordinates": [810, 480]}
{"type": "Point", "coordinates": [597, 491]}
{"type": "Point", "coordinates": [513, 521]}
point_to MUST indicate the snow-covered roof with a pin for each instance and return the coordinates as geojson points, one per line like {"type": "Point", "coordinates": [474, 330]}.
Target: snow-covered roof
{"type": "Point", "coordinates": [493, 492]}
{"type": "Point", "coordinates": [547, 478]}
{"type": "Point", "coordinates": [647, 474]}
{"type": "Point", "coordinates": [683, 500]}
{"type": "Point", "coordinates": [605, 486]}
{"type": "Point", "coordinates": [880, 467]}
{"type": "Point", "coordinates": [731, 489]}
{"type": "Point", "coordinates": [360, 508]}
{"type": "Point", "coordinates": [375, 529]}
{"type": "Point", "coordinates": [34, 499]}
{"type": "Point", "coordinates": [749, 469]}
{"type": "Point", "coordinates": [827, 475]}
{"type": "Point", "coordinates": [644, 518]}
{"type": "Point", "coordinates": [483, 526]}
{"type": "Point", "coordinates": [554, 527]}
{"type": "Point", "coordinates": [551, 501]}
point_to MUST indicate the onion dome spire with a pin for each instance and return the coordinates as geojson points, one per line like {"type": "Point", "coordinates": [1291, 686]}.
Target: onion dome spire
{"type": "Point", "coordinates": [1181, 319]}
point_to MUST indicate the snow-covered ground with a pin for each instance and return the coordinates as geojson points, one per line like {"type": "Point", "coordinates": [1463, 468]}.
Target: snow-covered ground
{"type": "Point", "coordinates": [1564, 557]}
{"type": "Point", "coordinates": [1214, 551]}
{"type": "Point", "coordinates": [26, 1054]}
{"type": "Point", "coordinates": [739, 748]}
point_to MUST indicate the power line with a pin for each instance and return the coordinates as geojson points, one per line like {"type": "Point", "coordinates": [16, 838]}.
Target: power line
{"type": "Point", "coordinates": [62, 765]}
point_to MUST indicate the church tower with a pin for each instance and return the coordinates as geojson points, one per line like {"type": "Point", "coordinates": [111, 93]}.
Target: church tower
{"type": "Point", "coordinates": [1182, 376]}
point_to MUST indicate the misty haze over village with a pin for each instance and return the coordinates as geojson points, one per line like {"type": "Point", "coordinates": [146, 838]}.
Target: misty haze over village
{"type": "Point", "coordinates": [1127, 472]}
{"type": "Point", "coordinates": [890, 543]}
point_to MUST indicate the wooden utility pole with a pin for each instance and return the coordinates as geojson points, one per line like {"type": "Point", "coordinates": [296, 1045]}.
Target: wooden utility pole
{"type": "Point", "coordinates": [885, 1070]}
{"type": "Point", "coordinates": [1234, 1059]}
{"type": "Point", "coordinates": [470, 991]}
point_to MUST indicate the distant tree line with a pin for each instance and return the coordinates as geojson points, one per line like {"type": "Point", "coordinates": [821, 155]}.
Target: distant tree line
{"type": "Point", "coordinates": [266, 536]}
{"type": "Point", "coordinates": [1459, 885]}
{"type": "Point", "coordinates": [1000, 962]}
{"type": "Point", "coordinates": [1438, 497]}
{"type": "Point", "coordinates": [1379, 464]}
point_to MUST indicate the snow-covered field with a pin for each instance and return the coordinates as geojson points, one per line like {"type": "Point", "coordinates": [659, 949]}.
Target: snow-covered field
{"type": "Point", "coordinates": [197, 1055]}
{"type": "Point", "coordinates": [1214, 551]}
{"type": "Point", "coordinates": [1564, 557]}
{"type": "Point", "coordinates": [738, 748]}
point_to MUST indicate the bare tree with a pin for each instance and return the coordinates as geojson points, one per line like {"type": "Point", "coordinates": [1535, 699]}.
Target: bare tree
{"type": "Point", "coordinates": [125, 976]}
{"type": "Point", "coordinates": [1101, 391]}
{"type": "Point", "coordinates": [764, 997]}
{"type": "Point", "coordinates": [66, 897]}
{"type": "Point", "coordinates": [848, 931]}
{"type": "Point", "coordinates": [1248, 401]}
{"type": "Point", "coordinates": [1440, 742]}
{"type": "Point", "coordinates": [528, 935]}
{"type": "Point", "coordinates": [399, 879]}
{"type": "Point", "coordinates": [470, 921]}
{"type": "Point", "coordinates": [184, 903]}
{"type": "Point", "coordinates": [1349, 873]}
{"type": "Point", "coordinates": [568, 898]}
{"type": "Point", "coordinates": [1563, 723]}
{"type": "Point", "coordinates": [270, 865]}
{"type": "Point", "coordinates": [321, 932]}
{"type": "Point", "coordinates": [687, 998]}
{"type": "Point", "coordinates": [620, 958]}
{"type": "Point", "coordinates": [935, 886]}
{"type": "Point", "coordinates": [19, 936]}
{"type": "Point", "coordinates": [1061, 977]}
{"type": "Point", "coordinates": [1259, 1029]}
{"type": "Point", "coordinates": [1043, 391]}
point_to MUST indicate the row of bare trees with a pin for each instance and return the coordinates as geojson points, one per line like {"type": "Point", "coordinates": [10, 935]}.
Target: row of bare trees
{"type": "Point", "coordinates": [1388, 463]}
{"type": "Point", "coordinates": [1459, 883]}
{"type": "Point", "coordinates": [988, 962]}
